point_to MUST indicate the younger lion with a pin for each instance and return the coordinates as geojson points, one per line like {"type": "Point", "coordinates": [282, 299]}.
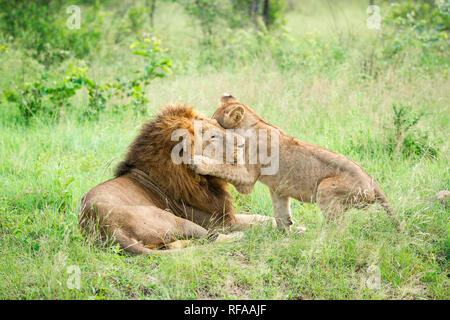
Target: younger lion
{"type": "Point", "coordinates": [154, 201]}
{"type": "Point", "coordinates": [307, 172]}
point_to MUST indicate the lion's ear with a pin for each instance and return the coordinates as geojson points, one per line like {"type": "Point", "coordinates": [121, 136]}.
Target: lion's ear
{"type": "Point", "coordinates": [236, 115]}
{"type": "Point", "coordinates": [227, 98]}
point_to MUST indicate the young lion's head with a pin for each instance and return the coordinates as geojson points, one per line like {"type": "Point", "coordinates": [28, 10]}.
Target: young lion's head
{"type": "Point", "coordinates": [233, 114]}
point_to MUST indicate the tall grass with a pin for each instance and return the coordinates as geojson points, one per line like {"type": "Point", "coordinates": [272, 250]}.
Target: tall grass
{"type": "Point", "coordinates": [310, 80]}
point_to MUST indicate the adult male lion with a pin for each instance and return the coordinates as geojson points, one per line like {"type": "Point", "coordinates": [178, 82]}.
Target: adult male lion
{"type": "Point", "coordinates": [131, 207]}
{"type": "Point", "coordinates": [307, 172]}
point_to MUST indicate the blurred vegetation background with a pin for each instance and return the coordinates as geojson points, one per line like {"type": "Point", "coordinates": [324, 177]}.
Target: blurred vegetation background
{"type": "Point", "coordinates": [52, 61]}
{"type": "Point", "coordinates": [72, 99]}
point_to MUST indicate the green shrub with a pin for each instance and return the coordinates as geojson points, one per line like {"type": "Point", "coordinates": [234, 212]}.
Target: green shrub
{"type": "Point", "coordinates": [420, 16]}
{"type": "Point", "coordinates": [47, 96]}
{"type": "Point", "coordinates": [402, 138]}
{"type": "Point", "coordinates": [40, 27]}
{"type": "Point", "coordinates": [420, 29]}
{"type": "Point", "coordinates": [51, 94]}
{"type": "Point", "coordinates": [405, 138]}
{"type": "Point", "coordinates": [28, 100]}
{"type": "Point", "coordinates": [136, 16]}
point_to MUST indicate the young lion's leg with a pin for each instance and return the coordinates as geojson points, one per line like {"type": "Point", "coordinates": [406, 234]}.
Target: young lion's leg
{"type": "Point", "coordinates": [281, 210]}
{"type": "Point", "coordinates": [236, 175]}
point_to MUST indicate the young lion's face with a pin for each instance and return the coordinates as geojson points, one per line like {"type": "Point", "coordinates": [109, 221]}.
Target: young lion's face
{"type": "Point", "coordinates": [230, 114]}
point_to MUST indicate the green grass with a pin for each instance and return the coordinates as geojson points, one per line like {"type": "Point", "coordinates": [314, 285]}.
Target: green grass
{"type": "Point", "coordinates": [46, 167]}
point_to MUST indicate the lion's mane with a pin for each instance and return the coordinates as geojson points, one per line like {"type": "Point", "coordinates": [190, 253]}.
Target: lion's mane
{"type": "Point", "coordinates": [151, 152]}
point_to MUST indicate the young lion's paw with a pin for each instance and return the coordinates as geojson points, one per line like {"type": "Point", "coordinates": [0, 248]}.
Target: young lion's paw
{"type": "Point", "coordinates": [200, 165]}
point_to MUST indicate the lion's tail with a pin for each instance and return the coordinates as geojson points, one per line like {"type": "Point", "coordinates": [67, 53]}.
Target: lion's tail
{"type": "Point", "coordinates": [384, 202]}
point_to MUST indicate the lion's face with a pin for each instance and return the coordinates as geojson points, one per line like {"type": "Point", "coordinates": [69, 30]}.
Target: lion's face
{"type": "Point", "coordinates": [214, 142]}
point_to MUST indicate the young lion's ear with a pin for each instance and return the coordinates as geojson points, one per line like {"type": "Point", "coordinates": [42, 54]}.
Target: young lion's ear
{"type": "Point", "coordinates": [237, 114]}
{"type": "Point", "coordinates": [227, 98]}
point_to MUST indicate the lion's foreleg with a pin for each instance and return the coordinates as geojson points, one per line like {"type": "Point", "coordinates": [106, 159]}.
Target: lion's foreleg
{"type": "Point", "coordinates": [135, 246]}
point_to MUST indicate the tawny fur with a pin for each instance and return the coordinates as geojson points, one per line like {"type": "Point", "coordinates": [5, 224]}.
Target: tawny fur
{"type": "Point", "coordinates": [151, 152]}
{"type": "Point", "coordinates": [307, 172]}
{"type": "Point", "coordinates": [134, 215]}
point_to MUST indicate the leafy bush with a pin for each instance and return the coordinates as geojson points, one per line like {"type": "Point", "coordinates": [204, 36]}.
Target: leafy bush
{"type": "Point", "coordinates": [28, 100]}
{"type": "Point", "coordinates": [401, 138]}
{"type": "Point", "coordinates": [51, 94]}
{"type": "Point", "coordinates": [418, 26]}
{"type": "Point", "coordinates": [405, 138]}
{"type": "Point", "coordinates": [136, 16]}
{"type": "Point", "coordinates": [156, 65]}
{"type": "Point", "coordinates": [415, 33]}
{"type": "Point", "coordinates": [40, 27]}
{"type": "Point", "coordinates": [44, 97]}
{"type": "Point", "coordinates": [420, 16]}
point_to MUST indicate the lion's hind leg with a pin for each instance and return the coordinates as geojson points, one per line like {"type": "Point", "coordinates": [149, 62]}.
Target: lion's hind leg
{"type": "Point", "coordinates": [145, 229]}
{"type": "Point", "coordinates": [160, 229]}
{"type": "Point", "coordinates": [135, 246]}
